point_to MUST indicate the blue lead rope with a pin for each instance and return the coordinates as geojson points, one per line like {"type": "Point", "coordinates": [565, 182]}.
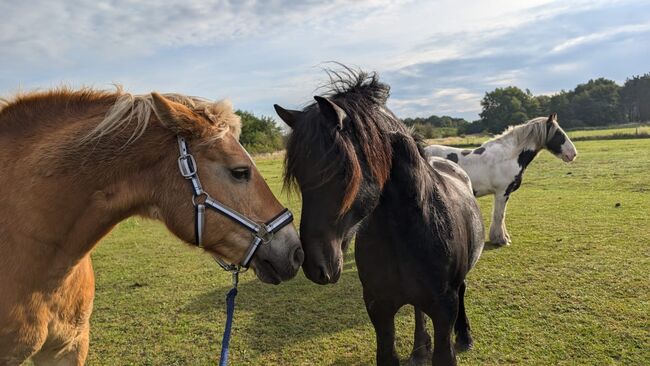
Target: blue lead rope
{"type": "Point", "coordinates": [230, 312]}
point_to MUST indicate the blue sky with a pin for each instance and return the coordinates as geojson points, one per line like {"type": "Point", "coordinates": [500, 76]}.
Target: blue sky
{"type": "Point", "coordinates": [440, 57]}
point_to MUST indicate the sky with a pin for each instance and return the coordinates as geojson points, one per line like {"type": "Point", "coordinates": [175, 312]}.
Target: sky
{"type": "Point", "coordinates": [439, 57]}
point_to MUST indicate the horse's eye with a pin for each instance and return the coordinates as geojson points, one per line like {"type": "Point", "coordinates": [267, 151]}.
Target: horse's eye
{"type": "Point", "coordinates": [243, 174]}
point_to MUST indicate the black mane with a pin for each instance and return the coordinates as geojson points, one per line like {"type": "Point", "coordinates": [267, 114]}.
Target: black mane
{"type": "Point", "coordinates": [364, 143]}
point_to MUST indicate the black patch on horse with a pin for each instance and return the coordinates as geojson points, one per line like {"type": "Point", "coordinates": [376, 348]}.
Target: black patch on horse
{"type": "Point", "coordinates": [524, 159]}
{"type": "Point", "coordinates": [479, 151]}
{"type": "Point", "coordinates": [465, 152]}
{"type": "Point", "coordinates": [514, 185]}
{"type": "Point", "coordinates": [453, 157]}
{"type": "Point", "coordinates": [554, 145]}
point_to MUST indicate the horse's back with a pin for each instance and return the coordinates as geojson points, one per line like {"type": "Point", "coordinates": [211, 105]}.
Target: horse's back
{"type": "Point", "coordinates": [452, 171]}
{"type": "Point", "coordinates": [445, 152]}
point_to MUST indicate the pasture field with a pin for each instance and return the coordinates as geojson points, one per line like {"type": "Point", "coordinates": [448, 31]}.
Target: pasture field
{"type": "Point", "coordinates": [642, 129]}
{"type": "Point", "coordinates": [572, 289]}
{"type": "Point", "coordinates": [586, 134]}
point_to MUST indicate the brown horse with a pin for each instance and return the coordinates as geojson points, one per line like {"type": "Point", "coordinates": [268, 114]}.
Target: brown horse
{"type": "Point", "coordinates": [76, 163]}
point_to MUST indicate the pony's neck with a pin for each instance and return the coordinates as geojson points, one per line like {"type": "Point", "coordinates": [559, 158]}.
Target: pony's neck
{"type": "Point", "coordinates": [74, 194]}
{"type": "Point", "coordinates": [522, 138]}
{"type": "Point", "coordinates": [407, 194]}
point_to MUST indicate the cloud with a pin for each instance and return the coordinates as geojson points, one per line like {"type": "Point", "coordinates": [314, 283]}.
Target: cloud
{"type": "Point", "coordinates": [63, 30]}
{"type": "Point", "coordinates": [602, 36]}
{"type": "Point", "coordinates": [439, 57]}
{"type": "Point", "coordinates": [547, 49]}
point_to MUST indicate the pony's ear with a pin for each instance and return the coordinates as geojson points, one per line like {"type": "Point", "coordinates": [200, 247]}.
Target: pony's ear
{"type": "Point", "coordinates": [176, 116]}
{"type": "Point", "coordinates": [404, 145]}
{"type": "Point", "coordinates": [288, 116]}
{"type": "Point", "coordinates": [552, 117]}
{"type": "Point", "coordinates": [331, 111]}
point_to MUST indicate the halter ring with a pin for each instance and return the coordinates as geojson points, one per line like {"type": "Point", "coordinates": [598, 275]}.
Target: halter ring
{"type": "Point", "coordinates": [195, 200]}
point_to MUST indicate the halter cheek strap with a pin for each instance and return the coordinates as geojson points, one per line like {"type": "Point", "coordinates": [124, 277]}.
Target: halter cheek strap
{"type": "Point", "coordinates": [262, 233]}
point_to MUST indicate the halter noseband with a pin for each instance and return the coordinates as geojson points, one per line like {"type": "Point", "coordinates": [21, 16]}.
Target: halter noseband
{"type": "Point", "coordinates": [262, 233]}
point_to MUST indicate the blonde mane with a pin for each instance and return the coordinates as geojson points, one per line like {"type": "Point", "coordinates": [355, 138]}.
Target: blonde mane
{"type": "Point", "coordinates": [137, 109]}
{"type": "Point", "coordinates": [532, 132]}
{"type": "Point", "coordinates": [125, 109]}
{"type": "Point", "coordinates": [3, 103]}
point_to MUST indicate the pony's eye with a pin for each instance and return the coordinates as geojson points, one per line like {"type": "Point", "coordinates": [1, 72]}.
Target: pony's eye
{"type": "Point", "coordinates": [243, 174]}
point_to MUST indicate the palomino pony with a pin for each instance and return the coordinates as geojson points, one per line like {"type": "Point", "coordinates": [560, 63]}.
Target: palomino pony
{"type": "Point", "coordinates": [497, 167]}
{"type": "Point", "coordinates": [76, 163]}
{"type": "Point", "coordinates": [418, 229]}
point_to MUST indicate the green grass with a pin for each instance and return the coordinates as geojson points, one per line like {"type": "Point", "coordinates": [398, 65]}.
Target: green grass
{"type": "Point", "coordinates": [609, 132]}
{"type": "Point", "coordinates": [601, 133]}
{"type": "Point", "coordinates": [572, 289]}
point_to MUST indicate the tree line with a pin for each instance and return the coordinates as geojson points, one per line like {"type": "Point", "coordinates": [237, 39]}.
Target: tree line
{"type": "Point", "coordinates": [598, 102]}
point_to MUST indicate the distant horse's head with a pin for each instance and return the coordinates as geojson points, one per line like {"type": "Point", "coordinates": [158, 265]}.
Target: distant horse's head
{"type": "Point", "coordinates": [226, 173]}
{"type": "Point", "coordinates": [557, 141]}
{"type": "Point", "coordinates": [340, 158]}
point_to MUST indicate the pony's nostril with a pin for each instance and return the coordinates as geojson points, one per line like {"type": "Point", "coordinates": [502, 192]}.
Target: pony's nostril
{"type": "Point", "coordinates": [297, 257]}
{"type": "Point", "coordinates": [324, 275]}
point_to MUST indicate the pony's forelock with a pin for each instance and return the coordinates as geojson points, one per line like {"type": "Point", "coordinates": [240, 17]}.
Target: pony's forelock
{"type": "Point", "coordinates": [137, 110]}
{"type": "Point", "coordinates": [363, 98]}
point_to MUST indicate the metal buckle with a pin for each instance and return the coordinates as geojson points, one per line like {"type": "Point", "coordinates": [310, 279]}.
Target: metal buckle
{"type": "Point", "coordinates": [195, 200]}
{"type": "Point", "coordinates": [264, 234]}
{"type": "Point", "coordinates": [187, 166]}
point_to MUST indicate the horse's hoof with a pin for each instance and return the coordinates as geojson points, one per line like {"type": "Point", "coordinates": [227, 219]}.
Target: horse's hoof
{"type": "Point", "coordinates": [419, 360]}
{"type": "Point", "coordinates": [499, 242]}
{"type": "Point", "coordinates": [462, 346]}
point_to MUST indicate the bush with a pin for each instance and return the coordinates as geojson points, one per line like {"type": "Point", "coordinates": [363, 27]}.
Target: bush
{"type": "Point", "coordinates": [259, 134]}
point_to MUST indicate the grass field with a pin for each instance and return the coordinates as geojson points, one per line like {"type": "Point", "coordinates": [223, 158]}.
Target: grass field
{"type": "Point", "coordinates": [606, 133]}
{"type": "Point", "coordinates": [572, 289]}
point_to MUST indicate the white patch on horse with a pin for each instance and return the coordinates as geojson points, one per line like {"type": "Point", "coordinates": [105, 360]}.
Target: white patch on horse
{"type": "Point", "coordinates": [497, 166]}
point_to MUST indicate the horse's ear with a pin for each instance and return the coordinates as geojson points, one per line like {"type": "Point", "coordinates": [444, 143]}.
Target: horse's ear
{"type": "Point", "coordinates": [176, 116]}
{"type": "Point", "coordinates": [331, 111]}
{"type": "Point", "coordinates": [404, 145]}
{"type": "Point", "coordinates": [552, 117]}
{"type": "Point", "coordinates": [288, 116]}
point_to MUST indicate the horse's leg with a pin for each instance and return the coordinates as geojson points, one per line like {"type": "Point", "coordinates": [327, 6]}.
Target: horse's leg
{"type": "Point", "coordinates": [498, 233]}
{"type": "Point", "coordinates": [443, 313]}
{"type": "Point", "coordinates": [463, 335]}
{"type": "Point", "coordinates": [382, 316]}
{"type": "Point", "coordinates": [70, 331]}
{"type": "Point", "coordinates": [73, 354]}
{"type": "Point", "coordinates": [422, 341]}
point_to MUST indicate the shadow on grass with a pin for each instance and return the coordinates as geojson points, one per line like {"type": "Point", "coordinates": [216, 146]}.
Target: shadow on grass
{"type": "Point", "coordinates": [490, 246]}
{"type": "Point", "coordinates": [272, 318]}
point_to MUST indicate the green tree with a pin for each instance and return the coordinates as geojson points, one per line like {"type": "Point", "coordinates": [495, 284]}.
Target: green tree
{"type": "Point", "coordinates": [635, 98]}
{"type": "Point", "coordinates": [259, 134]}
{"type": "Point", "coordinates": [507, 106]}
{"type": "Point", "coordinates": [544, 102]}
{"type": "Point", "coordinates": [436, 121]}
{"type": "Point", "coordinates": [597, 103]}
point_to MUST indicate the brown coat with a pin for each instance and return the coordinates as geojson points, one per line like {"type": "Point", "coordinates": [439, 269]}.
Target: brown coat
{"type": "Point", "coordinates": [68, 176]}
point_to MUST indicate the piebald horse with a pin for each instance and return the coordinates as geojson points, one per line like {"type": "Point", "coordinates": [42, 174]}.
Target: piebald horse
{"type": "Point", "coordinates": [497, 167]}
{"type": "Point", "coordinates": [76, 163]}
